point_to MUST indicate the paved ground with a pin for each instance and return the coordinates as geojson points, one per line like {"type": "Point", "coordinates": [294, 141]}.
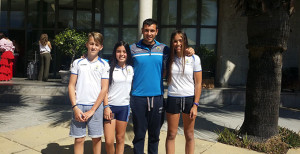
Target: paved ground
{"type": "Point", "coordinates": [31, 125]}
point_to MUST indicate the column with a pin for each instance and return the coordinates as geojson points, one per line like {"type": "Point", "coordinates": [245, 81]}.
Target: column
{"type": "Point", "coordinates": [145, 12]}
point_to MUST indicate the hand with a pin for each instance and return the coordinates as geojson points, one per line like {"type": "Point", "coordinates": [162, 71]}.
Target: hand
{"type": "Point", "coordinates": [88, 114]}
{"type": "Point", "coordinates": [193, 112]}
{"type": "Point", "coordinates": [107, 113]}
{"type": "Point", "coordinates": [78, 114]}
{"type": "Point", "coordinates": [189, 51]}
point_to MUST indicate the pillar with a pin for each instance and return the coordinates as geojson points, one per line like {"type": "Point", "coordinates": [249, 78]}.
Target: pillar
{"type": "Point", "coordinates": [145, 12]}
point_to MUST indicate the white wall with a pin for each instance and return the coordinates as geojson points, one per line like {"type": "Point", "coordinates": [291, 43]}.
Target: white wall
{"type": "Point", "coordinates": [232, 63]}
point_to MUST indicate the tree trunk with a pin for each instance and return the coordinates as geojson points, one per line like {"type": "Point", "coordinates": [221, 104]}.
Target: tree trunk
{"type": "Point", "coordinates": [267, 39]}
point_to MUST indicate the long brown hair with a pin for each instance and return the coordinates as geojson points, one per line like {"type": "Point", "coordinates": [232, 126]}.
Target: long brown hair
{"type": "Point", "coordinates": [44, 39]}
{"type": "Point", "coordinates": [173, 53]}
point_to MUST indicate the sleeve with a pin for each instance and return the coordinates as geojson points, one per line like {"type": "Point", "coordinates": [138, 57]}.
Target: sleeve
{"type": "Point", "coordinates": [197, 64]}
{"type": "Point", "coordinates": [74, 67]}
{"type": "Point", "coordinates": [105, 72]}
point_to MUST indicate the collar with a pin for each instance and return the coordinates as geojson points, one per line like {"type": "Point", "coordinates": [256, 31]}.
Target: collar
{"type": "Point", "coordinates": [117, 66]}
{"type": "Point", "coordinates": [140, 45]}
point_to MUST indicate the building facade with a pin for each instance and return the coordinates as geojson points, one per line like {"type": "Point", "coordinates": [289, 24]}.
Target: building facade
{"type": "Point", "coordinates": [210, 23]}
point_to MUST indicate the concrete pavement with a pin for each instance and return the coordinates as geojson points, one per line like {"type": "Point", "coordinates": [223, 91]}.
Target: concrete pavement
{"type": "Point", "coordinates": [34, 122]}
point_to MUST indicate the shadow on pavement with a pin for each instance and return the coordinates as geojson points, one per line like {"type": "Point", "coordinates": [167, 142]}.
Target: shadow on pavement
{"type": "Point", "coordinates": [69, 149]}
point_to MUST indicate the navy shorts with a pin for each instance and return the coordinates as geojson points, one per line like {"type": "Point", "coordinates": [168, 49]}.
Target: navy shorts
{"type": "Point", "coordinates": [121, 113]}
{"type": "Point", "coordinates": [177, 105]}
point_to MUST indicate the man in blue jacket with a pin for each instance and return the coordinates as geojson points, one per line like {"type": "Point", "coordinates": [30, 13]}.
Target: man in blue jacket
{"type": "Point", "coordinates": [147, 90]}
{"type": "Point", "coordinates": [149, 59]}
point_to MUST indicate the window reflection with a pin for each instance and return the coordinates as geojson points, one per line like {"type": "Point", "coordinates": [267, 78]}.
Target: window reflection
{"type": "Point", "coordinates": [84, 14]}
{"type": "Point", "coordinates": [17, 14]}
{"type": "Point", "coordinates": [33, 13]}
{"type": "Point", "coordinates": [169, 12]}
{"type": "Point", "coordinates": [208, 37]}
{"type": "Point", "coordinates": [191, 35]}
{"type": "Point", "coordinates": [48, 13]}
{"type": "Point", "coordinates": [130, 12]}
{"type": "Point", "coordinates": [165, 35]}
{"type": "Point", "coordinates": [209, 12]}
{"type": "Point", "coordinates": [98, 13]}
{"type": "Point", "coordinates": [110, 38]}
{"type": "Point", "coordinates": [189, 12]}
{"type": "Point", "coordinates": [3, 13]}
{"type": "Point", "coordinates": [111, 12]}
{"type": "Point", "coordinates": [65, 14]}
{"type": "Point", "coordinates": [130, 35]}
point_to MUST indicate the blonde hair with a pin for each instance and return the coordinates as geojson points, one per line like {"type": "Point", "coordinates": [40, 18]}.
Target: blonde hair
{"type": "Point", "coordinates": [44, 39]}
{"type": "Point", "coordinates": [98, 37]}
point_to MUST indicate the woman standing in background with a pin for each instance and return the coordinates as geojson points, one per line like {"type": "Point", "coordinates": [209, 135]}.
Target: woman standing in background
{"type": "Point", "coordinates": [45, 57]}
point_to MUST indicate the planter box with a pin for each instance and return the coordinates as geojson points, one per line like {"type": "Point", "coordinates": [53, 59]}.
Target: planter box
{"type": "Point", "coordinates": [65, 76]}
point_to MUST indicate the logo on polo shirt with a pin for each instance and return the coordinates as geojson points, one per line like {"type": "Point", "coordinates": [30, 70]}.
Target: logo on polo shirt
{"type": "Point", "coordinates": [96, 68]}
{"type": "Point", "coordinates": [129, 71]}
{"type": "Point", "coordinates": [158, 49]}
{"type": "Point", "coordinates": [188, 61]}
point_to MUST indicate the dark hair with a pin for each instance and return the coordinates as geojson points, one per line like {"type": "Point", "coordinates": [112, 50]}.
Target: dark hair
{"type": "Point", "coordinates": [172, 53]}
{"type": "Point", "coordinates": [113, 62]}
{"type": "Point", "coordinates": [150, 22]}
{"type": "Point", "coordinates": [2, 35]}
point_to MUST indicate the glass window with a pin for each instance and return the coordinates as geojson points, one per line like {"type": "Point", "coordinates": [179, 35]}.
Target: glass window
{"type": "Point", "coordinates": [130, 12]}
{"type": "Point", "coordinates": [189, 12]}
{"type": "Point", "coordinates": [110, 38]}
{"type": "Point", "coordinates": [154, 9]}
{"type": "Point", "coordinates": [3, 13]}
{"type": "Point", "coordinates": [48, 13]}
{"type": "Point", "coordinates": [208, 37]}
{"type": "Point", "coordinates": [111, 12]}
{"type": "Point", "coordinates": [17, 14]}
{"type": "Point", "coordinates": [84, 14]}
{"type": "Point", "coordinates": [165, 35]}
{"type": "Point", "coordinates": [209, 12]}
{"type": "Point", "coordinates": [130, 35]}
{"type": "Point", "coordinates": [191, 35]}
{"type": "Point", "coordinates": [33, 14]}
{"type": "Point", "coordinates": [98, 14]}
{"type": "Point", "coordinates": [65, 14]}
{"type": "Point", "coordinates": [169, 12]}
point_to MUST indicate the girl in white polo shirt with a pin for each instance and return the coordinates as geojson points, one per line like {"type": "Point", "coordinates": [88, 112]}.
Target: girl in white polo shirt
{"type": "Point", "coordinates": [184, 76]}
{"type": "Point", "coordinates": [116, 104]}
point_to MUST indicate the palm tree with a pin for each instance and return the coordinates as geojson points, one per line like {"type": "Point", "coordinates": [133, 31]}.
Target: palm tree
{"type": "Point", "coordinates": [268, 31]}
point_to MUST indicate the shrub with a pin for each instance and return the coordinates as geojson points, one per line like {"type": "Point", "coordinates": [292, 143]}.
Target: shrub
{"type": "Point", "coordinates": [277, 144]}
{"type": "Point", "coordinates": [71, 43]}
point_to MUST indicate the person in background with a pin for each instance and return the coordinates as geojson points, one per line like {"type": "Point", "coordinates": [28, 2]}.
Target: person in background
{"type": "Point", "coordinates": [45, 57]}
{"type": "Point", "coordinates": [116, 104]}
{"type": "Point", "coordinates": [88, 86]}
{"type": "Point", "coordinates": [184, 77]}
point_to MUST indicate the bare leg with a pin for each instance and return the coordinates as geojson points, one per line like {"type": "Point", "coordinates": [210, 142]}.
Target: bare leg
{"type": "Point", "coordinates": [189, 125]}
{"type": "Point", "coordinates": [173, 120]}
{"type": "Point", "coordinates": [120, 137]}
{"type": "Point", "coordinates": [97, 145]}
{"type": "Point", "coordinates": [79, 145]}
{"type": "Point", "coordinates": [109, 133]}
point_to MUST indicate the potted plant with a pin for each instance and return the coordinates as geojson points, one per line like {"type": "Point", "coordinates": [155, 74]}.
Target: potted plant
{"type": "Point", "coordinates": [72, 44]}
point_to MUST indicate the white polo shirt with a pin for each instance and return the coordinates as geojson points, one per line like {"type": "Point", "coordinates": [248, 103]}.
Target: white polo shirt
{"type": "Point", "coordinates": [119, 90]}
{"type": "Point", "coordinates": [182, 84]}
{"type": "Point", "coordinates": [89, 75]}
